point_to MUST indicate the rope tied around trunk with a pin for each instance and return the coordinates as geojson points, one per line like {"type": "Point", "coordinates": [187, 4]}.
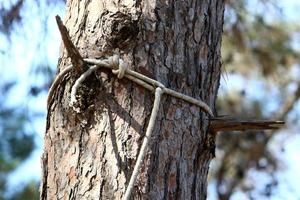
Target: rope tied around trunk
{"type": "Point", "coordinates": [120, 68]}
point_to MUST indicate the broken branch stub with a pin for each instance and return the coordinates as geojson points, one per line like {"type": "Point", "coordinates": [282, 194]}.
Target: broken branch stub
{"type": "Point", "coordinates": [227, 123]}
{"type": "Point", "coordinates": [73, 53]}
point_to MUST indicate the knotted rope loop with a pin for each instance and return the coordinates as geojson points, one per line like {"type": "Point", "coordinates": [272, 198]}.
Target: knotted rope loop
{"type": "Point", "coordinates": [119, 67]}
{"type": "Point", "coordinates": [113, 61]}
{"type": "Point", "coordinates": [120, 72]}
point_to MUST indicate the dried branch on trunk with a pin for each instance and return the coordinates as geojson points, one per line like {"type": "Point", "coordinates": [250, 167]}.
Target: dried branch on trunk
{"type": "Point", "coordinates": [232, 124]}
{"type": "Point", "coordinates": [73, 53]}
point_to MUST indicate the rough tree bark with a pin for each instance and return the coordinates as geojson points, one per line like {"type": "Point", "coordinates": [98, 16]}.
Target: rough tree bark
{"type": "Point", "coordinates": [91, 154]}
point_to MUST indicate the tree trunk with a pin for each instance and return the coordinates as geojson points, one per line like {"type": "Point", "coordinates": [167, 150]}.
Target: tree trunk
{"type": "Point", "coordinates": [91, 154]}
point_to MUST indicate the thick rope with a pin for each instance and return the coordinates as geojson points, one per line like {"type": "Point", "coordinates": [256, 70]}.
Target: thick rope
{"type": "Point", "coordinates": [142, 80]}
{"type": "Point", "coordinates": [120, 68]}
{"type": "Point", "coordinates": [56, 82]}
{"type": "Point", "coordinates": [140, 159]}
{"type": "Point", "coordinates": [112, 63]}
{"type": "Point", "coordinates": [77, 84]}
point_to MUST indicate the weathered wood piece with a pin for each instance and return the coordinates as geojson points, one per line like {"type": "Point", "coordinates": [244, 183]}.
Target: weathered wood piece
{"type": "Point", "coordinates": [226, 123]}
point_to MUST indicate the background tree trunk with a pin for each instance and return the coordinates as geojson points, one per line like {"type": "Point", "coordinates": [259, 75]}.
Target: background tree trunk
{"type": "Point", "coordinates": [91, 154]}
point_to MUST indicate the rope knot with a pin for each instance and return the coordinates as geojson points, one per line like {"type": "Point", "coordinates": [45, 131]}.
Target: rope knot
{"type": "Point", "coordinates": [114, 61]}
{"type": "Point", "coordinates": [119, 67]}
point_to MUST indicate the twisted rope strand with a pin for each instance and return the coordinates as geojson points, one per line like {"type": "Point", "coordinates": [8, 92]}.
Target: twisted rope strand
{"type": "Point", "coordinates": [120, 72]}
{"type": "Point", "coordinates": [140, 159]}
{"type": "Point", "coordinates": [153, 82]}
{"type": "Point", "coordinates": [77, 84]}
{"type": "Point", "coordinates": [191, 100]}
{"type": "Point", "coordinates": [56, 82]}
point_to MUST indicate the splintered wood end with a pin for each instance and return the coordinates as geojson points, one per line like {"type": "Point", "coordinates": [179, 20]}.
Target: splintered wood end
{"type": "Point", "coordinates": [231, 124]}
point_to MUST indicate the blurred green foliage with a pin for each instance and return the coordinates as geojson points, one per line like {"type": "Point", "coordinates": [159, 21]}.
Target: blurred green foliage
{"type": "Point", "coordinates": [260, 48]}
{"type": "Point", "coordinates": [16, 143]}
{"type": "Point", "coordinates": [17, 134]}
